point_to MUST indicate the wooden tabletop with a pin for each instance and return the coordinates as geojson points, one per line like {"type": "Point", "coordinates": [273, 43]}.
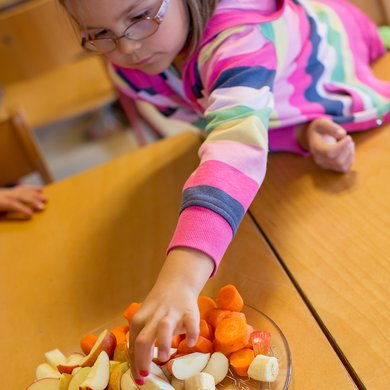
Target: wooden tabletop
{"type": "Point", "coordinates": [332, 232]}
{"type": "Point", "coordinates": [99, 245]}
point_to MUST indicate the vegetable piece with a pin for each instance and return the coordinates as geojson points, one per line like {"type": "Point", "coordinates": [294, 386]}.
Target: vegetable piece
{"type": "Point", "coordinates": [88, 342]}
{"type": "Point", "coordinates": [201, 381]}
{"type": "Point", "coordinates": [188, 365]}
{"type": "Point", "coordinates": [120, 333]}
{"type": "Point", "coordinates": [176, 340]}
{"type": "Point", "coordinates": [131, 310]}
{"type": "Point", "coordinates": [264, 368]}
{"type": "Point", "coordinates": [231, 335]}
{"type": "Point", "coordinates": [241, 360]}
{"type": "Point", "coordinates": [217, 366]}
{"type": "Point", "coordinates": [202, 345]}
{"type": "Point", "coordinates": [216, 316]}
{"type": "Point", "coordinates": [229, 298]}
{"type": "Point", "coordinates": [261, 342]}
{"type": "Point", "coordinates": [205, 305]}
{"type": "Point", "coordinates": [205, 330]}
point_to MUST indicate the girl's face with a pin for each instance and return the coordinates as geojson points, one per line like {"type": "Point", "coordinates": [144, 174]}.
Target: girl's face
{"type": "Point", "coordinates": [101, 18]}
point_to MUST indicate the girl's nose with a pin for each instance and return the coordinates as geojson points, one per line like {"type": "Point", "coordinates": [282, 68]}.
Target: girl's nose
{"type": "Point", "coordinates": [127, 46]}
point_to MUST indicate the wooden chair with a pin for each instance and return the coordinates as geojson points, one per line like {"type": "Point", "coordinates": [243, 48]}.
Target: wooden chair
{"type": "Point", "coordinates": [44, 71]}
{"type": "Point", "coordinates": [19, 152]}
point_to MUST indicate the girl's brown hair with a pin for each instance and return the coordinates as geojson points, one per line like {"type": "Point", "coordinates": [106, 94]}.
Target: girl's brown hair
{"type": "Point", "coordinates": [199, 12]}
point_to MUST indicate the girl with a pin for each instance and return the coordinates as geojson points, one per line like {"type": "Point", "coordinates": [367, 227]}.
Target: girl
{"type": "Point", "coordinates": [286, 75]}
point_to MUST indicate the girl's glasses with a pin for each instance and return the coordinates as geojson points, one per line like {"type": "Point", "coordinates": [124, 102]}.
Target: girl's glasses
{"type": "Point", "coordinates": [142, 28]}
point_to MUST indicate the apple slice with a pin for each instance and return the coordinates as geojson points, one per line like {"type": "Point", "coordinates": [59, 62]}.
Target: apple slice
{"type": "Point", "coordinates": [46, 370]}
{"type": "Point", "coordinates": [55, 357]}
{"type": "Point", "coordinates": [65, 381]}
{"type": "Point", "coordinates": [127, 382]}
{"type": "Point", "coordinates": [79, 377]}
{"type": "Point", "coordinates": [201, 381]}
{"type": "Point", "coordinates": [106, 341]}
{"type": "Point", "coordinates": [71, 363]}
{"type": "Point", "coordinates": [188, 365]}
{"type": "Point", "coordinates": [178, 384]}
{"type": "Point", "coordinates": [45, 384]}
{"type": "Point", "coordinates": [171, 352]}
{"type": "Point", "coordinates": [116, 375]}
{"type": "Point", "coordinates": [154, 382]}
{"type": "Point", "coordinates": [121, 352]}
{"type": "Point", "coordinates": [217, 366]}
{"type": "Point", "coordinates": [99, 375]}
{"type": "Point", "coordinates": [156, 370]}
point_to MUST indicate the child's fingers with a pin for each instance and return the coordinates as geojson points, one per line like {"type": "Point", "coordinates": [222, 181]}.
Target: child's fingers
{"type": "Point", "coordinates": [32, 200]}
{"type": "Point", "coordinates": [191, 325]}
{"type": "Point", "coordinates": [165, 332]}
{"type": "Point", "coordinates": [14, 205]}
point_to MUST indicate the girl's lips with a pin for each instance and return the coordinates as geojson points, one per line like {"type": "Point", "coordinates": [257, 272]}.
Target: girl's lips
{"type": "Point", "coordinates": [145, 60]}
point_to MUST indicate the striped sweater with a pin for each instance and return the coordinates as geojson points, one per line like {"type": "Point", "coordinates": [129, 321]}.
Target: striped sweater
{"type": "Point", "coordinates": [262, 68]}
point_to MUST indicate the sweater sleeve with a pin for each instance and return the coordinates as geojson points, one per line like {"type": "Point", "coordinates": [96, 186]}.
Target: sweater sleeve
{"type": "Point", "coordinates": [235, 74]}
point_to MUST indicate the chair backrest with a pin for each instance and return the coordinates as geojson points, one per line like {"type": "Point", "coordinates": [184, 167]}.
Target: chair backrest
{"type": "Point", "coordinates": [35, 37]}
{"type": "Point", "coordinates": [20, 154]}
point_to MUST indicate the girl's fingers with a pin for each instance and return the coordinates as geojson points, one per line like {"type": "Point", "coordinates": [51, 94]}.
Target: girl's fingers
{"type": "Point", "coordinates": [19, 207]}
{"type": "Point", "coordinates": [191, 325]}
{"type": "Point", "coordinates": [165, 332]}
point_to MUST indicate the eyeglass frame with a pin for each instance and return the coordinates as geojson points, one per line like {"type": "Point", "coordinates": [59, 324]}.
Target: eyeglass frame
{"type": "Point", "coordinates": [158, 18]}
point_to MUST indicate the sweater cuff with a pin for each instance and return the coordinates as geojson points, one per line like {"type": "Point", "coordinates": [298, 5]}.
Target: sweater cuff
{"type": "Point", "coordinates": [204, 230]}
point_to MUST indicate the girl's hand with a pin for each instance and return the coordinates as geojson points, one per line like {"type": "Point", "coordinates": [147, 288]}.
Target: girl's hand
{"type": "Point", "coordinates": [24, 199]}
{"type": "Point", "coordinates": [170, 308]}
{"type": "Point", "coordinates": [330, 145]}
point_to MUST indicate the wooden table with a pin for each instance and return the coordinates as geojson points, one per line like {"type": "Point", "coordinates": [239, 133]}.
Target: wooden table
{"type": "Point", "coordinates": [99, 245]}
{"type": "Point", "coordinates": [332, 232]}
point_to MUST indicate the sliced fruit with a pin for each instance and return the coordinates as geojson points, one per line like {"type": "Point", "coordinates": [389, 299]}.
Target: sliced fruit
{"type": "Point", "coordinates": [45, 384]}
{"type": "Point", "coordinates": [178, 384]}
{"type": "Point", "coordinates": [127, 382]}
{"type": "Point", "coordinates": [65, 381]}
{"type": "Point", "coordinates": [261, 342]}
{"type": "Point", "coordinates": [99, 375]}
{"type": "Point", "coordinates": [172, 351]}
{"type": "Point", "coordinates": [186, 366]}
{"type": "Point", "coordinates": [154, 382]}
{"type": "Point", "coordinates": [217, 366]}
{"type": "Point", "coordinates": [79, 377]}
{"type": "Point", "coordinates": [201, 381]}
{"type": "Point", "coordinates": [121, 352]}
{"type": "Point", "coordinates": [116, 376]}
{"type": "Point", "coordinates": [264, 368]}
{"type": "Point", "coordinates": [55, 357]}
{"type": "Point", "coordinates": [46, 370]}
{"type": "Point", "coordinates": [106, 341]}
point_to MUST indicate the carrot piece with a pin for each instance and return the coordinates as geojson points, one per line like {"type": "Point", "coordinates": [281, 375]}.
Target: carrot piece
{"type": "Point", "coordinates": [261, 342]}
{"type": "Point", "coordinates": [241, 360]}
{"type": "Point", "coordinates": [231, 335]}
{"type": "Point", "coordinates": [87, 342]}
{"type": "Point", "coordinates": [205, 304]}
{"type": "Point", "coordinates": [202, 345]}
{"type": "Point", "coordinates": [249, 331]}
{"type": "Point", "coordinates": [216, 316]}
{"type": "Point", "coordinates": [236, 314]}
{"type": "Point", "coordinates": [205, 330]}
{"type": "Point", "coordinates": [120, 333]}
{"type": "Point", "coordinates": [229, 298]}
{"type": "Point", "coordinates": [131, 310]}
{"type": "Point", "coordinates": [176, 340]}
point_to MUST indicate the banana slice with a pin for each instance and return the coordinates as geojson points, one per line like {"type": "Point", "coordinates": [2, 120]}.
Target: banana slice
{"type": "Point", "coordinates": [201, 381]}
{"type": "Point", "coordinates": [264, 368]}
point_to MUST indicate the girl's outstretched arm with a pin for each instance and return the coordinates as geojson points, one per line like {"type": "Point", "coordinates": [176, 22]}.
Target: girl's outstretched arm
{"type": "Point", "coordinates": [170, 308]}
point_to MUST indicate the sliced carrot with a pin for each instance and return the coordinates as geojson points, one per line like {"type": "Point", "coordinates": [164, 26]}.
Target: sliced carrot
{"type": "Point", "coordinates": [205, 330]}
{"type": "Point", "coordinates": [87, 342]}
{"type": "Point", "coordinates": [120, 333]}
{"type": "Point", "coordinates": [229, 298]}
{"type": "Point", "coordinates": [205, 304]}
{"type": "Point", "coordinates": [261, 342]}
{"type": "Point", "coordinates": [236, 314]}
{"type": "Point", "coordinates": [131, 310]}
{"type": "Point", "coordinates": [216, 316]}
{"type": "Point", "coordinates": [231, 335]}
{"type": "Point", "coordinates": [176, 340]}
{"type": "Point", "coordinates": [249, 331]}
{"type": "Point", "coordinates": [202, 345]}
{"type": "Point", "coordinates": [241, 360]}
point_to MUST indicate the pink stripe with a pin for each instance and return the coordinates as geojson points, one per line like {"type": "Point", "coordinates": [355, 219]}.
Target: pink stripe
{"type": "Point", "coordinates": [249, 160]}
{"type": "Point", "coordinates": [357, 101]}
{"type": "Point", "coordinates": [360, 126]}
{"type": "Point", "coordinates": [202, 229]}
{"type": "Point", "coordinates": [226, 178]}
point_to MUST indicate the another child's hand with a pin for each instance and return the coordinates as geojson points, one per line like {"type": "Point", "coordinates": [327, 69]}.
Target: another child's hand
{"type": "Point", "coordinates": [24, 199]}
{"type": "Point", "coordinates": [330, 145]}
{"type": "Point", "coordinates": [170, 308]}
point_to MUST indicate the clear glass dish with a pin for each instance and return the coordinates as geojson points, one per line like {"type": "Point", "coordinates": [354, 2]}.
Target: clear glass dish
{"type": "Point", "coordinates": [279, 349]}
